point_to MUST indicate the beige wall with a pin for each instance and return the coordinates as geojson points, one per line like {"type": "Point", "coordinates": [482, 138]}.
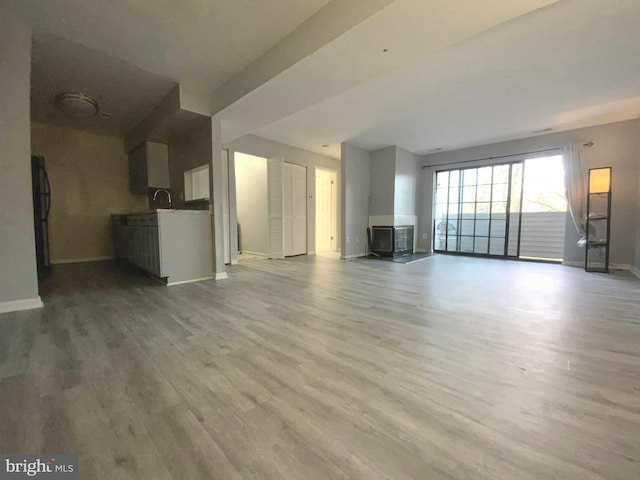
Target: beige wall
{"type": "Point", "coordinates": [89, 178]}
{"type": "Point", "coordinates": [251, 203]}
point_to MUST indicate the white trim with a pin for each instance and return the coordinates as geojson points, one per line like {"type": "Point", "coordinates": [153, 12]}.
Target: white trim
{"type": "Point", "coordinates": [351, 257]}
{"type": "Point", "coordinates": [234, 261]}
{"type": "Point", "coordinates": [311, 252]}
{"type": "Point", "coordinates": [572, 264]}
{"type": "Point", "coordinates": [24, 304]}
{"type": "Point", "coordinates": [612, 266]}
{"type": "Point", "coordinates": [421, 250]}
{"type": "Point", "coordinates": [81, 260]}
{"type": "Point", "coordinates": [635, 271]}
{"type": "Point", "coordinates": [620, 266]}
{"type": "Point", "coordinates": [221, 275]}
{"type": "Point", "coordinates": [247, 252]}
{"type": "Point", "coordinates": [170, 284]}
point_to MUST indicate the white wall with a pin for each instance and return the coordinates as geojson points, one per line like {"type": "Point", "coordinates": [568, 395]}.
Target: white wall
{"type": "Point", "coordinates": [254, 145]}
{"type": "Point", "coordinates": [251, 203]}
{"type": "Point", "coordinates": [18, 278]}
{"type": "Point", "coordinates": [89, 177]}
{"type": "Point", "coordinates": [616, 145]}
{"type": "Point", "coordinates": [356, 174]}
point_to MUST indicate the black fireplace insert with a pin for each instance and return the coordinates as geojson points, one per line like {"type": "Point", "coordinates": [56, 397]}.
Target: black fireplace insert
{"type": "Point", "coordinates": [392, 241]}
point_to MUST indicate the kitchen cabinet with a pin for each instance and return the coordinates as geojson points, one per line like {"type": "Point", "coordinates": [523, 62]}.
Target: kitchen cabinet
{"type": "Point", "coordinates": [148, 167]}
{"type": "Point", "coordinates": [143, 243]}
{"type": "Point", "coordinates": [173, 245]}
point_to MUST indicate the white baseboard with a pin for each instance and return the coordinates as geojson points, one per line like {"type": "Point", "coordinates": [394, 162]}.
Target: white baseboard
{"type": "Point", "coordinates": [311, 252]}
{"type": "Point", "coordinates": [234, 261]}
{"type": "Point", "coordinates": [351, 257]}
{"type": "Point", "coordinates": [81, 260]}
{"type": "Point", "coordinates": [635, 271]}
{"type": "Point", "coordinates": [259, 254]}
{"type": "Point", "coordinates": [572, 264]}
{"type": "Point", "coordinates": [170, 284]}
{"type": "Point", "coordinates": [421, 250]}
{"type": "Point", "coordinates": [24, 304]}
{"type": "Point", "coordinates": [221, 275]}
{"type": "Point", "coordinates": [613, 266]}
{"type": "Point", "coordinates": [620, 266]}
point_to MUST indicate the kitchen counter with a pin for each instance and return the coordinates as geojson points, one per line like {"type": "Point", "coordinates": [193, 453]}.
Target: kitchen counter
{"type": "Point", "coordinates": [160, 210]}
{"type": "Point", "coordinates": [173, 245]}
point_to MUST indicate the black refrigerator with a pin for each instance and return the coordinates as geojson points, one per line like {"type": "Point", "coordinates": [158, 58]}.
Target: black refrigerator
{"type": "Point", "coordinates": [41, 189]}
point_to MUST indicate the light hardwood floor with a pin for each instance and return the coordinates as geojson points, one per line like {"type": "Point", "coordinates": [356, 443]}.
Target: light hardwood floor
{"type": "Point", "coordinates": [313, 368]}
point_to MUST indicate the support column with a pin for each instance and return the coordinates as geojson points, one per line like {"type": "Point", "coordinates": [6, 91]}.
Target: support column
{"type": "Point", "coordinates": [215, 182]}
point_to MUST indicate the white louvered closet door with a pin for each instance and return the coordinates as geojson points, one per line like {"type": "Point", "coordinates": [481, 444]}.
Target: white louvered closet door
{"type": "Point", "coordinates": [295, 209]}
{"type": "Point", "coordinates": [275, 179]}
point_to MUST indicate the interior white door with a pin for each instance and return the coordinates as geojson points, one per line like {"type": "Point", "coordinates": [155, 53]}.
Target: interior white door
{"type": "Point", "coordinates": [225, 206]}
{"type": "Point", "coordinates": [275, 180]}
{"type": "Point", "coordinates": [325, 211]}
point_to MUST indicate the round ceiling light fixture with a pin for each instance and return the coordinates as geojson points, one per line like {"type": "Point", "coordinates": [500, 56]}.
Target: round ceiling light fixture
{"type": "Point", "coordinates": [77, 105]}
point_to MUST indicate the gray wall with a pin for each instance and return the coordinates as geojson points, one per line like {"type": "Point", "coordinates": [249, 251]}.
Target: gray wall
{"type": "Point", "coordinates": [406, 182]}
{"type": "Point", "coordinates": [254, 145]}
{"type": "Point", "coordinates": [382, 186]}
{"type": "Point", "coordinates": [616, 145]}
{"type": "Point", "coordinates": [251, 203]}
{"type": "Point", "coordinates": [356, 173]}
{"type": "Point", "coordinates": [18, 278]}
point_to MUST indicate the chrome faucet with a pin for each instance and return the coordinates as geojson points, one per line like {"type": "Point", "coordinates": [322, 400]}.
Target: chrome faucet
{"type": "Point", "coordinates": [165, 191]}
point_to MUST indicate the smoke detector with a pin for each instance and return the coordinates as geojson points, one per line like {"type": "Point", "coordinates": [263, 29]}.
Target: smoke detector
{"type": "Point", "coordinates": [77, 105]}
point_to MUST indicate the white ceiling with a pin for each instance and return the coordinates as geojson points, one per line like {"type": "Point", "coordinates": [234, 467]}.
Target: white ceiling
{"type": "Point", "coordinates": [187, 40]}
{"type": "Point", "coordinates": [457, 72]}
{"type": "Point", "coordinates": [572, 64]}
{"type": "Point", "coordinates": [126, 92]}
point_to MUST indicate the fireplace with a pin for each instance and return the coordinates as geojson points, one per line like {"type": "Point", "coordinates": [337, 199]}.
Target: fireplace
{"type": "Point", "coordinates": [392, 241]}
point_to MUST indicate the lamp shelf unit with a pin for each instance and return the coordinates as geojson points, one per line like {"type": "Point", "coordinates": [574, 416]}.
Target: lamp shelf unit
{"type": "Point", "coordinates": [598, 225]}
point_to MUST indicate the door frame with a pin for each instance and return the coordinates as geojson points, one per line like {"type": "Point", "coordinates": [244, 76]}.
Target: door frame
{"type": "Point", "coordinates": [333, 208]}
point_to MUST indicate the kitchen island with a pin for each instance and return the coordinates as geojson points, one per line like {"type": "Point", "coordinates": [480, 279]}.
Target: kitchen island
{"type": "Point", "coordinates": [172, 245]}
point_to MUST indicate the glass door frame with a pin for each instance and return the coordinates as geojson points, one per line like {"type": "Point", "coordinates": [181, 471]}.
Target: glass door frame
{"type": "Point", "coordinates": [508, 213]}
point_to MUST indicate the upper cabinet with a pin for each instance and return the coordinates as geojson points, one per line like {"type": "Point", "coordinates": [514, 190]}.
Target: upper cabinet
{"type": "Point", "coordinates": [149, 167]}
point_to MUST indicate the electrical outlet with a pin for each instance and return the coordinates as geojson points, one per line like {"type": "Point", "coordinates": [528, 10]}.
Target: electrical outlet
{"type": "Point", "coordinates": [425, 236]}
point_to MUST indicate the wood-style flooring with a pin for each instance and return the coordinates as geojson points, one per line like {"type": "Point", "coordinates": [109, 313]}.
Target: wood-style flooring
{"type": "Point", "coordinates": [314, 368]}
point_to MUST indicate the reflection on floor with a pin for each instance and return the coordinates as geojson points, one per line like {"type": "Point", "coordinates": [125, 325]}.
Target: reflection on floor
{"type": "Point", "coordinates": [333, 255]}
{"type": "Point", "coordinates": [247, 257]}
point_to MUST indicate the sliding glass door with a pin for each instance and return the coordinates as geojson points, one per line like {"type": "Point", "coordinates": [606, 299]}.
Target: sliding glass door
{"type": "Point", "coordinates": [478, 210]}
{"type": "Point", "coordinates": [498, 210]}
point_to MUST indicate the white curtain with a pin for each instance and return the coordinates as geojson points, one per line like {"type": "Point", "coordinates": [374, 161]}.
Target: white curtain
{"type": "Point", "coordinates": [575, 184]}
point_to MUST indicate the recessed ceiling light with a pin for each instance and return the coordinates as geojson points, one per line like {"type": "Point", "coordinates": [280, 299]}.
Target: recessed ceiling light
{"type": "Point", "coordinates": [76, 104]}
{"type": "Point", "coordinates": [325, 146]}
{"type": "Point", "coordinates": [542, 131]}
{"type": "Point", "coordinates": [385, 50]}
